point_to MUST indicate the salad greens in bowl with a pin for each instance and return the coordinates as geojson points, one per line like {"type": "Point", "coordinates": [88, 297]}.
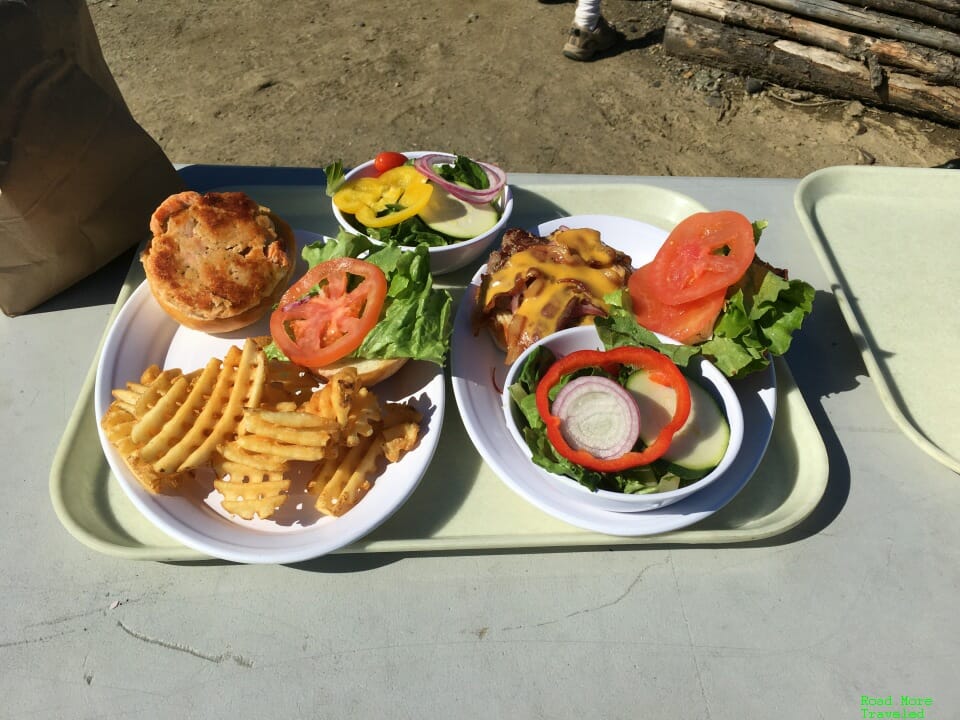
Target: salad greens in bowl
{"type": "Point", "coordinates": [454, 205]}
{"type": "Point", "coordinates": [621, 429]}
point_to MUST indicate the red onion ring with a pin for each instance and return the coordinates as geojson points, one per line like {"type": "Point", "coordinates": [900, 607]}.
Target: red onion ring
{"type": "Point", "coordinates": [597, 415]}
{"type": "Point", "coordinates": [424, 164]}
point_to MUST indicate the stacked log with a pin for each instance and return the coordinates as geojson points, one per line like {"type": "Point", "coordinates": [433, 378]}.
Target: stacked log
{"type": "Point", "coordinates": [899, 54]}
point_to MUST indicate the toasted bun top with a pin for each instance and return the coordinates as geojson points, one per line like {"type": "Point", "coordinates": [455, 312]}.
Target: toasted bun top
{"type": "Point", "coordinates": [217, 261]}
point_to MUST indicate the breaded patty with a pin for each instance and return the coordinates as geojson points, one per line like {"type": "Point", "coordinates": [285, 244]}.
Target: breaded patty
{"type": "Point", "coordinates": [216, 256]}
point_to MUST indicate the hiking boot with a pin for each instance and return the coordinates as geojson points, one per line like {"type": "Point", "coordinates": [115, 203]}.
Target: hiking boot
{"type": "Point", "coordinates": [584, 44]}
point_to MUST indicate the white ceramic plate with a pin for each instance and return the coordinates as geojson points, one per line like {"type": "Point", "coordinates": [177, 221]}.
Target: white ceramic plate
{"type": "Point", "coordinates": [478, 369]}
{"type": "Point", "coordinates": [145, 334]}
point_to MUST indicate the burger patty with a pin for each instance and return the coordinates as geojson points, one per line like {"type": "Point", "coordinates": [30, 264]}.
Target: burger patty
{"type": "Point", "coordinates": [536, 285]}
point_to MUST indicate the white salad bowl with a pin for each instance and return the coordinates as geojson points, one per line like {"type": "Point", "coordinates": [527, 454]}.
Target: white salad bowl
{"type": "Point", "coordinates": [447, 258]}
{"type": "Point", "coordinates": [700, 370]}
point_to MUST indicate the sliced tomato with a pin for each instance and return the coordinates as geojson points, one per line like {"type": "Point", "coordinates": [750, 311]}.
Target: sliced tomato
{"type": "Point", "coordinates": [328, 312]}
{"type": "Point", "coordinates": [705, 253]}
{"type": "Point", "coordinates": [388, 160]}
{"type": "Point", "coordinates": [687, 323]}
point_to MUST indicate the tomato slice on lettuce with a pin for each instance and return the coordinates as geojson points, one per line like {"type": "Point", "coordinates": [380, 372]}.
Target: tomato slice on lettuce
{"type": "Point", "coordinates": [328, 312]}
{"type": "Point", "coordinates": [687, 323]}
{"type": "Point", "coordinates": [705, 253]}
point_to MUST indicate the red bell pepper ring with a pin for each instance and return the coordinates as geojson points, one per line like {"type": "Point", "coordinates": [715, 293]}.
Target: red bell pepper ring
{"type": "Point", "coordinates": [662, 370]}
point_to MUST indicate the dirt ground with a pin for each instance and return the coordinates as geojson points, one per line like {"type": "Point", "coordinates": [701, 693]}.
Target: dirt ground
{"type": "Point", "coordinates": [304, 83]}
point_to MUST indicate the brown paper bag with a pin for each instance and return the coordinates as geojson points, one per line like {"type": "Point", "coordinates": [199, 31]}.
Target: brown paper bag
{"type": "Point", "coordinates": [79, 177]}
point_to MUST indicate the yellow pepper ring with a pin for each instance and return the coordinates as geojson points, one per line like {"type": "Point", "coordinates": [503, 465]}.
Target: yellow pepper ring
{"type": "Point", "coordinates": [358, 193]}
{"type": "Point", "coordinates": [402, 191]}
{"type": "Point", "coordinates": [403, 176]}
{"type": "Point", "coordinates": [410, 203]}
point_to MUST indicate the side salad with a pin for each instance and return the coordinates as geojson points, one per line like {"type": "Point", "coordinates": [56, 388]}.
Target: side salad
{"type": "Point", "coordinates": [624, 420]}
{"type": "Point", "coordinates": [432, 200]}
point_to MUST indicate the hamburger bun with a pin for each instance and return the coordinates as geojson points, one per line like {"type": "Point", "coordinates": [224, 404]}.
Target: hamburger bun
{"type": "Point", "coordinates": [217, 262]}
{"type": "Point", "coordinates": [369, 372]}
{"type": "Point", "coordinates": [497, 324]}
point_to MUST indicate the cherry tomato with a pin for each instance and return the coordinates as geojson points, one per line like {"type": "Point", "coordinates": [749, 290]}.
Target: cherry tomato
{"type": "Point", "coordinates": [388, 160]}
{"type": "Point", "coordinates": [328, 312]}
{"type": "Point", "coordinates": [703, 254]}
{"type": "Point", "coordinates": [687, 323]}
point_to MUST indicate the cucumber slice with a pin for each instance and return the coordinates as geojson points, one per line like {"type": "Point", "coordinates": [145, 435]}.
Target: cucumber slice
{"type": "Point", "coordinates": [701, 442]}
{"type": "Point", "coordinates": [456, 218]}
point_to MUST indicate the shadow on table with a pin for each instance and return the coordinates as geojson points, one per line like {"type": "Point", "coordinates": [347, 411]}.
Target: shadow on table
{"type": "Point", "coordinates": [827, 363]}
{"type": "Point", "coordinates": [531, 208]}
{"type": "Point", "coordinates": [99, 288]}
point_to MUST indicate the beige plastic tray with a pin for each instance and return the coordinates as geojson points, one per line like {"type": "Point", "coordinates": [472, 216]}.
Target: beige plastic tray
{"type": "Point", "coordinates": [889, 240]}
{"type": "Point", "coordinates": [461, 505]}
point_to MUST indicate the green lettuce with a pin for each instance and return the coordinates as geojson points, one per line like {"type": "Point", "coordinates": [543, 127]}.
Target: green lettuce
{"type": "Point", "coordinates": [466, 171]}
{"type": "Point", "coordinates": [335, 176]}
{"type": "Point", "coordinates": [410, 232]}
{"type": "Point", "coordinates": [417, 318]}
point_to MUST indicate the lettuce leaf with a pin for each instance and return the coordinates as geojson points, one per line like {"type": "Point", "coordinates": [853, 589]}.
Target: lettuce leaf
{"type": "Point", "coordinates": [757, 322]}
{"type": "Point", "coordinates": [335, 177]}
{"type": "Point", "coordinates": [417, 318]}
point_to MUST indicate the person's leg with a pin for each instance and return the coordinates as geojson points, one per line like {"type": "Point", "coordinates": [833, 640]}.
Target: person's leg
{"type": "Point", "coordinates": [587, 14]}
{"type": "Point", "coordinates": [590, 33]}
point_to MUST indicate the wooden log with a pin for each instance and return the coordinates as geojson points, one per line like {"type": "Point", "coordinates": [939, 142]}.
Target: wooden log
{"type": "Point", "coordinates": [937, 66]}
{"type": "Point", "coordinates": [872, 22]}
{"type": "Point", "coordinates": [792, 64]}
{"type": "Point", "coordinates": [912, 9]}
{"type": "Point", "coordinates": [948, 6]}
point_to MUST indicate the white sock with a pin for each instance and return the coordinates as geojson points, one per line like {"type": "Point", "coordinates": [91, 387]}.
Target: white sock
{"type": "Point", "coordinates": [587, 14]}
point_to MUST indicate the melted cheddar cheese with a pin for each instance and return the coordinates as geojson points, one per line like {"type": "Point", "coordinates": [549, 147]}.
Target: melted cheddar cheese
{"type": "Point", "coordinates": [577, 264]}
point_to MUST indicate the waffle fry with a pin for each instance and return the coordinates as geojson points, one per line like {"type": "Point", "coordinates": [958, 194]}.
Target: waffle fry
{"type": "Point", "coordinates": [355, 408]}
{"type": "Point", "coordinates": [251, 484]}
{"type": "Point", "coordinates": [336, 397]}
{"type": "Point", "coordinates": [340, 483]}
{"type": "Point", "coordinates": [131, 398]}
{"type": "Point", "coordinates": [286, 383]}
{"type": "Point", "coordinates": [289, 435]}
{"type": "Point", "coordinates": [238, 386]}
{"type": "Point", "coordinates": [186, 400]}
{"type": "Point", "coordinates": [173, 422]}
{"type": "Point", "coordinates": [157, 404]}
{"type": "Point", "coordinates": [128, 397]}
{"type": "Point", "coordinates": [256, 423]}
{"type": "Point", "coordinates": [401, 430]}
{"type": "Point", "coordinates": [117, 423]}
